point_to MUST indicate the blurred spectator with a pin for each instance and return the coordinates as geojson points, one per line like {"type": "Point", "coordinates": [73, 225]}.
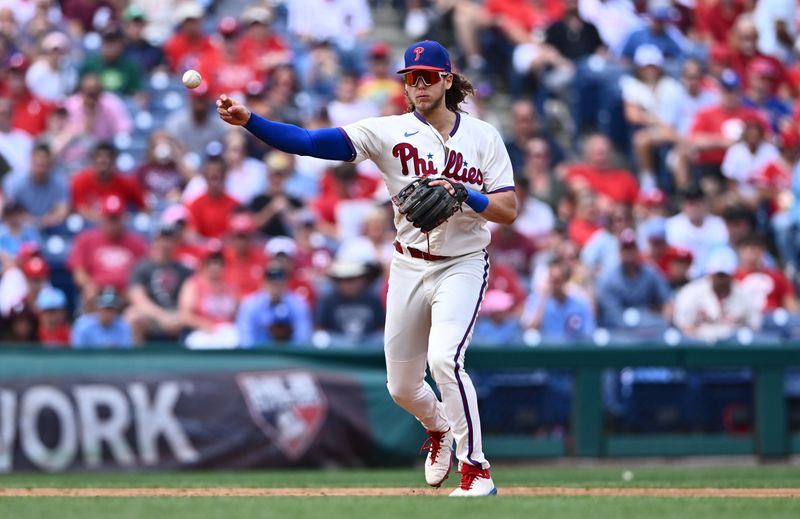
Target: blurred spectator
{"type": "Point", "coordinates": [282, 94]}
{"type": "Point", "coordinates": [380, 85]}
{"type": "Point", "coordinates": [274, 314]}
{"type": "Point", "coordinates": [347, 107]}
{"type": "Point", "coordinates": [713, 130]}
{"type": "Point", "coordinates": [777, 27]}
{"type": "Point", "coordinates": [744, 38]}
{"type": "Point", "coordinates": [53, 75]}
{"type": "Point", "coordinates": [15, 145]}
{"type": "Point", "coordinates": [94, 185]}
{"type": "Point", "coordinates": [208, 303]}
{"type": "Point", "coordinates": [43, 195]}
{"type": "Point", "coordinates": [660, 33]}
{"type": "Point", "coordinates": [345, 23]}
{"type": "Point", "coordinates": [746, 158]}
{"type": "Point", "coordinates": [341, 183]}
{"type": "Point", "coordinates": [543, 183]}
{"type": "Point", "coordinates": [86, 15]}
{"type": "Point", "coordinates": [184, 48]}
{"type": "Point", "coordinates": [35, 270]}
{"type": "Point", "coordinates": [677, 264]}
{"type": "Point", "coordinates": [260, 45]}
{"type": "Point", "coordinates": [16, 229]}
{"type": "Point", "coordinates": [586, 219]}
{"type": "Point", "coordinates": [769, 287]}
{"type": "Point", "coordinates": [632, 285]}
{"type": "Point", "coordinates": [153, 290]}
{"type": "Point", "coordinates": [716, 306]}
{"type": "Point", "coordinates": [598, 175]}
{"type": "Point", "coordinates": [645, 94]}
{"type": "Point", "coordinates": [503, 278]}
{"type": "Point", "coordinates": [53, 329]}
{"type": "Point", "coordinates": [760, 93]}
{"type": "Point", "coordinates": [714, 19]}
{"type": "Point", "coordinates": [600, 254]}
{"type": "Point", "coordinates": [71, 146]}
{"type": "Point", "coordinates": [29, 113]}
{"type": "Point", "coordinates": [740, 221]}
{"type": "Point", "coordinates": [774, 183]}
{"type": "Point", "coordinates": [496, 325]}
{"type": "Point", "coordinates": [187, 252]}
{"type": "Point", "coordinates": [694, 229]}
{"type": "Point", "coordinates": [524, 128]}
{"type": "Point", "coordinates": [18, 326]}
{"type": "Point", "coordinates": [246, 177]}
{"type": "Point", "coordinates": [693, 96]}
{"type": "Point", "coordinates": [162, 175]}
{"type": "Point", "coordinates": [555, 313]}
{"type": "Point", "coordinates": [273, 210]}
{"type": "Point", "coordinates": [224, 68]}
{"type": "Point", "coordinates": [614, 19]}
{"type": "Point", "coordinates": [196, 126]}
{"type": "Point", "coordinates": [105, 255]}
{"type": "Point", "coordinates": [535, 218]}
{"type": "Point", "coordinates": [351, 314]}
{"type": "Point", "coordinates": [512, 248]}
{"type": "Point", "coordinates": [105, 327]}
{"type": "Point", "coordinates": [281, 252]}
{"type": "Point", "coordinates": [322, 73]}
{"type": "Point", "coordinates": [572, 36]}
{"type": "Point", "coordinates": [137, 46]}
{"type": "Point", "coordinates": [118, 72]}
{"type": "Point", "coordinates": [244, 258]}
{"type": "Point", "coordinates": [211, 212]}
{"type": "Point", "coordinates": [102, 115]}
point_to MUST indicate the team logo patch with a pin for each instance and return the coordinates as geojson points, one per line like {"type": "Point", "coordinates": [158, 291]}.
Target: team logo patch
{"type": "Point", "coordinates": [289, 407]}
{"type": "Point", "coordinates": [418, 52]}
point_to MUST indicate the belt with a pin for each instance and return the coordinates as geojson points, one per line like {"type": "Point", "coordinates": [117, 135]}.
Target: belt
{"type": "Point", "coordinates": [416, 253]}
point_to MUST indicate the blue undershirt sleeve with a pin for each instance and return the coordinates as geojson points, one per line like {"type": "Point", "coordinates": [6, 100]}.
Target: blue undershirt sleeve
{"type": "Point", "coordinates": [325, 143]}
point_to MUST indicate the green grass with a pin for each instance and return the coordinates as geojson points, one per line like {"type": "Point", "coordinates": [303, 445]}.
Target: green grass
{"type": "Point", "coordinates": [755, 477]}
{"type": "Point", "coordinates": [415, 507]}
{"type": "Point", "coordinates": [386, 507]}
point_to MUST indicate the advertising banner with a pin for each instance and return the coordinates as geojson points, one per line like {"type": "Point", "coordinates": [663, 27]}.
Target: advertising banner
{"type": "Point", "coordinates": [229, 420]}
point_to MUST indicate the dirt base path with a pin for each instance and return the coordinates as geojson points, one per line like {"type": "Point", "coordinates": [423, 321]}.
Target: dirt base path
{"type": "Point", "coordinates": [365, 491]}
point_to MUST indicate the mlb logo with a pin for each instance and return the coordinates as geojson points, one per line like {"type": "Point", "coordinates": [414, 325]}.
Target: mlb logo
{"type": "Point", "coordinates": [289, 407]}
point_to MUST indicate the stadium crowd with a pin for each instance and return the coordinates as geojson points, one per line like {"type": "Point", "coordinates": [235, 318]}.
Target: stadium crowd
{"type": "Point", "coordinates": [655, 147]}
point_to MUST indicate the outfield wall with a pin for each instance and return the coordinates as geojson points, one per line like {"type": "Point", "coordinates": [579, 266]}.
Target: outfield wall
{"type": "Point", "coordinates": [166, 407]}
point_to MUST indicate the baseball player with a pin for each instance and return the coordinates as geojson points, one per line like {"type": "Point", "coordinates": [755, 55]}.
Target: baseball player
{"type": "Point", "coordinates": [437, 278]}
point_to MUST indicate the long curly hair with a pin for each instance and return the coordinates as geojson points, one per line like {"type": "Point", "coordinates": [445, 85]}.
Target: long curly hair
{"type": "Point", "coordinates": [454, 96]}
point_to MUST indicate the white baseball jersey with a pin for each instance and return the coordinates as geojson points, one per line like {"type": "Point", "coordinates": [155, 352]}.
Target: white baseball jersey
{"type": "Point", "coordinates": [406, 147]}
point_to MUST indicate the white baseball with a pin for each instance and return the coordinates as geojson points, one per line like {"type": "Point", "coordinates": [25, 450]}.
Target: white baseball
{"type": "Point", "coordinates": [191, 78]}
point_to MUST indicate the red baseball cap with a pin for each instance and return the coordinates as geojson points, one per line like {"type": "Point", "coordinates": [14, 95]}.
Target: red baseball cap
{"type": "Point", "coordinates": [228, 26]}
{"type": "Point", "coordinates": [763, 67]}
{"type": "Point", "coordinates": [112, 206]}
{"type": "Point", "coordinates": [242, 223]}
{"type": "Point", "coordinates": [651, 198]}
{"type": "Point", "coordinates": [35, 268]}
{"type": "Point", "coordinates": [789, 137]}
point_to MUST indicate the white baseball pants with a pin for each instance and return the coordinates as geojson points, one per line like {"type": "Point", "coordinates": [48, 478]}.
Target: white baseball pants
{"type": "Point", "coordinates": [431, 310]}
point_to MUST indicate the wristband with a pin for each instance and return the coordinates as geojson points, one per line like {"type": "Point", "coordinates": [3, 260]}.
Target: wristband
{"type": "Point", "coordinates": [477, 201]}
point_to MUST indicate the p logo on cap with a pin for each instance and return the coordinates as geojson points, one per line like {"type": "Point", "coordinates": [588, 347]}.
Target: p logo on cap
{"type": "Point", "coordinates": [426, 55]}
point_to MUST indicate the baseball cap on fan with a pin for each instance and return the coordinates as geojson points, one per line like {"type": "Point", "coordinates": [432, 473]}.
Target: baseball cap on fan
{"type": "Point", "coordinates": [426, 55]}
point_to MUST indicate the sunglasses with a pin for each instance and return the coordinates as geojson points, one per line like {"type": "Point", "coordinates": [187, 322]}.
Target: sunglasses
{"type": "Point", "coordinates": [429, 77]}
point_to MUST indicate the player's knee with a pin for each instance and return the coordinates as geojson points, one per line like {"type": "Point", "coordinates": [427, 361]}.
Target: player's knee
{"type": "Point", "coordinates": [402, 391]}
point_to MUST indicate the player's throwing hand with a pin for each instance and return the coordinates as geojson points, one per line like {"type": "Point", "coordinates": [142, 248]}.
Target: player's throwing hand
{"type": "Point", "coordinates": [232, 111]}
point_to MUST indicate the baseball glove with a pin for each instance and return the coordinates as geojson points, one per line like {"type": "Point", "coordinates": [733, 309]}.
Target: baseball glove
{"type": "Point", "coordinates": [426, 206]}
